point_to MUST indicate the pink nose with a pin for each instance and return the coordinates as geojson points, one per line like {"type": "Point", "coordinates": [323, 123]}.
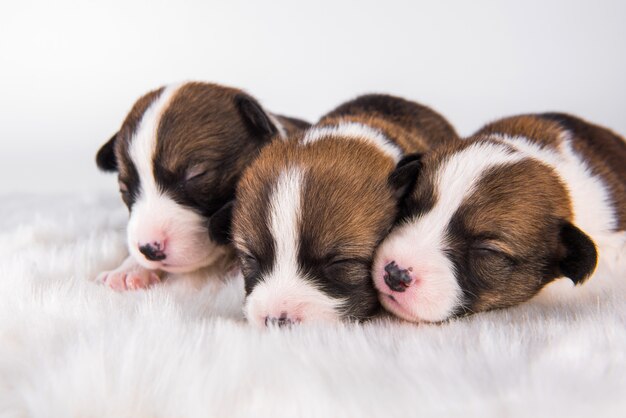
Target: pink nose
{"type": "Point", "coordinates": [154, 251]}
{"type": "Point", "coordinates": [396, 278]}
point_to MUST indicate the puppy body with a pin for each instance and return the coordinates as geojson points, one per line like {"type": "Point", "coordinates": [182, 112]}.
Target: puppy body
{"type": "Point", "coordinates": [496, 217]}
{"type": "Point", "coordinates": [311, 209]}
{"type": "Point", "coordinates": [179, 154]}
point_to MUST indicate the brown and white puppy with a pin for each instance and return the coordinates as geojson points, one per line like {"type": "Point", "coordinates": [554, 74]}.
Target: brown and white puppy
{"type": "Point", "coordinates": [310, 210]}
{"type": "Point", "coordinates": [179, 154]}
{"type": "Point", "coordinates": [496, 217]}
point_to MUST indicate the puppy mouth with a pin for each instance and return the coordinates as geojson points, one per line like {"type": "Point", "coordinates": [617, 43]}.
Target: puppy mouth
{"type": "Point", "coordinates": [390, 303]}
{"type": "Point", "coordinates": [171, 267]}
{"type": "Point", "coordinates": [180, 268]}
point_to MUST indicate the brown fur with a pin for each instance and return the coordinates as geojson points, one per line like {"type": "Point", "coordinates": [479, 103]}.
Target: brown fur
{"type": "Point", "coordinates": [603, 150]}
{"type": "Point", "coordinates": [347, 204]}
{"type": "Point", "coordinates": [541, 131]}
{"type": "Point", "coordinates": [334, 170]}
{"type": "Point", "coordinates": [202, 129]}
{"type": "Point", "coordinates": [517, 210]}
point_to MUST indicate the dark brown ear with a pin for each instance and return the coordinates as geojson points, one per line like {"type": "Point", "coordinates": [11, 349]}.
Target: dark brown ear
{"type": "Point", "coordinates": [255, 118]}
{"type": "Point", "coordinates": [105, 158]}
{"type": "Point", "coordinates": [220, 224]}
{"type": "Point", "coordinates": [579, 256]}
{"type": "Point", "coordinates": [402, 180]}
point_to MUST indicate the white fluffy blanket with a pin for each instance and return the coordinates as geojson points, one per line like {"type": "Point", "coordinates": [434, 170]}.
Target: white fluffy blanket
{"type": "Point", "coordinates": [71, 348]}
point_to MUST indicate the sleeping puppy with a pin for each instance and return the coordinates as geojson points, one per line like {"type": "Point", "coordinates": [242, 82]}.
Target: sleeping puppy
{"type": "Point", "coordinates": [494, 218]}
{"type": "Point", "coordinates": [311, 209]}
{"type": "Point", "coordinates": [179, 154]}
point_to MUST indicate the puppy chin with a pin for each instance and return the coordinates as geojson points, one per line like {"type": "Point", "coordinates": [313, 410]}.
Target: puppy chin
{"type": "Point", "coordinates": [408, 307]}
{"type": "Point", "coordinates": [390, 303]}
{"type": "Point", "coordinates": [418, 303]}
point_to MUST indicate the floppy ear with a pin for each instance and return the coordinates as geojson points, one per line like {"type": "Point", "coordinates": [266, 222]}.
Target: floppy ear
{"type": "Point", "coordinates": [255, 117]}
{"type": "Point", "coordinates": [403, 178]}
{"type": "Point", "coordinates": [220, 224]}
{"type": "Point", "coordinates": [579, 255]}
{"type": "Point", "coordinates": [105, 158]}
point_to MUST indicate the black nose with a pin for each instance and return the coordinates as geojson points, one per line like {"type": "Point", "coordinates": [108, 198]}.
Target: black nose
{"type": "Point", "coordinates": [282, 321]}
{"type": "Point", "coordinates": [152, 252]}
{"type": "Point", "coordinates": [396, 278]}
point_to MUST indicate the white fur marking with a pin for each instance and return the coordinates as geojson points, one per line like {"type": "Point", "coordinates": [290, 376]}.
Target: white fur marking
{"type": "Point", "coordinates": [285, 289]}
{"type": "Point", "coordinates": [143, 144]}
{"type": "Point", "coordinates": [285, 221]}
{"type": "Point", "coordinates": [354, 130]}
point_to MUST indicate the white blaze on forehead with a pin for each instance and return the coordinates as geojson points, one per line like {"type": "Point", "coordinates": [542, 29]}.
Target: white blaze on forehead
{"type": "Point", "coordinates": [285, 288]}
{"type": "Point", "coordinates": [355, 130]}
{"type": "Point", "coordinates": [456, 180]}
{"type": "Point", "coordinates": [420, 243]}
{"type": "Point", "coordinates": [143, 143]}
{"type": "Point", "coordinates": [285, 221]}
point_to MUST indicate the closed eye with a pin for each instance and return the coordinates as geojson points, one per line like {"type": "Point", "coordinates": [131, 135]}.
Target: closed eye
{"type": "Point", "coordinates": [337, 266]}
{"type": "Point", "coordinates": [248, 261]}
{"type": "Point", "coordinates": [490, 248]}
{"type": "Point", "coordinates": [486, 249]}
{"type": "Point", "coordinates": [339, 257]}
{"type": "Point", "coordinates": [195, 172]}
{"type": "Point", "coordinates": [251, 270]}
{"type": "Point", "coordinates": [339, 262]}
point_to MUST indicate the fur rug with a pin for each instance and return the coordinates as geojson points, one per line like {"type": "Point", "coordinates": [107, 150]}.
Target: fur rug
{"type": "Point", "coordinates": [72, 348]}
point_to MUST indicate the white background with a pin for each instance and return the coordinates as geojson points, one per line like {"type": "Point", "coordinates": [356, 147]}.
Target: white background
{"type": "Point", "coordinates": [70, 70]}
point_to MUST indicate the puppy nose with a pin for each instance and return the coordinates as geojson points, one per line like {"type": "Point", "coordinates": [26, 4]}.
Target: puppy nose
{"type": "Point", "coordinates": [153, 251]}
{"type": "Point", "coordinates": [282, 321]}
{"type": "Point", "coordinates": [396, 278]}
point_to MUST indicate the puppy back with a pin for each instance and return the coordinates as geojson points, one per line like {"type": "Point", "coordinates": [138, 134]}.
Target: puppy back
{"type": "Point", "coordinates": [414, 127]}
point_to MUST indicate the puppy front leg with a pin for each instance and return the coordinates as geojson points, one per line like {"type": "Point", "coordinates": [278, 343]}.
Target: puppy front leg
{"type": "Point", "coordinates": [129, 276]}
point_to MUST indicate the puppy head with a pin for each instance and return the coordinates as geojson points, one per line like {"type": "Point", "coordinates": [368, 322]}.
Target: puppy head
{"type": "Point", "coordinates": [178, 155]}
{"type": "Point", "coordinates": [484, 228]}
{"type": "Point", "coordinates": [307, 219]}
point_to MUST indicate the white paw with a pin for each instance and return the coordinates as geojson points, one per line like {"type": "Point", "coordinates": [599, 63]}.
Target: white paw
{"type": "Point", "coordinates": [128, 276]}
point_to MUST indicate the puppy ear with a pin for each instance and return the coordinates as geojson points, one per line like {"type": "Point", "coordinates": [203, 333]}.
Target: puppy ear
{"type": "Point", "coordinates": [220, 224]}
{"type": "Point", "coordinates": [578, 254]}
{"type": "Point", "coordinates": [402, 180]}
{"type": "Point", "coordinates": [105, 158]}
{"type": "Point", "coordinates": [255, 117]}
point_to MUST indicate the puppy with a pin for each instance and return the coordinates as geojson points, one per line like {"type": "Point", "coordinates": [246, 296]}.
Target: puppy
{"type": "Point", "coordinates": [494, 218]}
{"type": "Point", "coordinates": [179, 154]}
{"type": "Point", "coordinates": [311, 209]}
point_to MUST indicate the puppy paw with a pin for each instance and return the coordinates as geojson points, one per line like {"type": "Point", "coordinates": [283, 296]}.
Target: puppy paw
{"type": "Point", "coordinates": [128, 277]}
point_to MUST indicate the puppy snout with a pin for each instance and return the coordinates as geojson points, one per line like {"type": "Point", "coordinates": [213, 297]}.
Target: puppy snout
{"type": "Point", "coordinates": [154, 251]}
{"type": "Point", "coordinates": [397, 278]}
{"type": "Point", "coordinates": [281, 321]}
